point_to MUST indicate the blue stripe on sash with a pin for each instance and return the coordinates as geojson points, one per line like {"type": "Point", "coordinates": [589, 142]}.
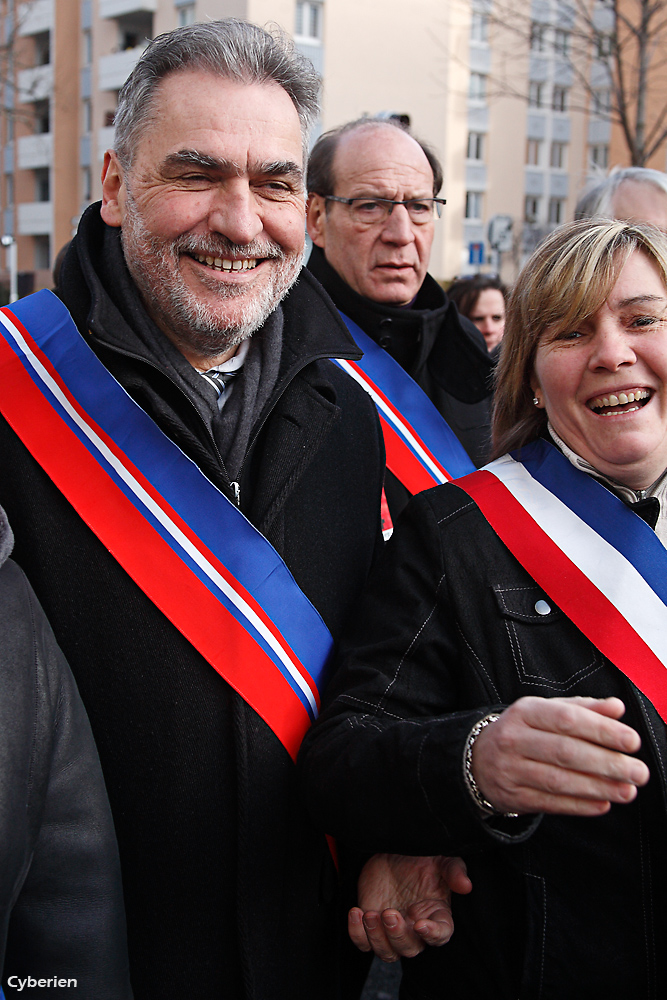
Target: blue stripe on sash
{"type": "Point", "coordinates": [412, 402]}
{"type": "Point", "coordinates": [600, 509]}
{"type": "Point", "coordinates": [246, 554]}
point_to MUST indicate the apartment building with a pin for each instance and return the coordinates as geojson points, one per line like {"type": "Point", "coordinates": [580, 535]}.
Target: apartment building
{"type": "Point", "coordinates": [490, 87]}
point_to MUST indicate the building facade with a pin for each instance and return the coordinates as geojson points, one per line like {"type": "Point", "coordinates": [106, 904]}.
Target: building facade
{"type": "Point", "coordinates": [495, 89]}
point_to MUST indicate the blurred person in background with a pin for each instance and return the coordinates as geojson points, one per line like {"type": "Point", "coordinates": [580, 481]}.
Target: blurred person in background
{"type": "Point", "coordinates": [482, 298]}
{"type": "Point", "coordinates": [636, 194]}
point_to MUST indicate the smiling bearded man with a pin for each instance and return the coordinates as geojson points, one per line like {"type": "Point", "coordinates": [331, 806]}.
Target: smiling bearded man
{"type": "Point", "coordinates": [174, 611]}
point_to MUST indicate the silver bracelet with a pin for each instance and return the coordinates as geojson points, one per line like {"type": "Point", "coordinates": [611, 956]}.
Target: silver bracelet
{"type": "Point", "coordinates": [487, 808]}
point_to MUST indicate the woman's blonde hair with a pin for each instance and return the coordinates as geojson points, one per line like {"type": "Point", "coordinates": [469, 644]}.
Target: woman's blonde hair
{"type": "Point", "coordinates": [565, 281]}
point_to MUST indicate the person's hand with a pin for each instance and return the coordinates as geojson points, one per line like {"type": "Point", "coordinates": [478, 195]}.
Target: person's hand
{"type": "Point", "coordinates": [558, 755]}
{"type": "Point", "coordinates": [404, 904]}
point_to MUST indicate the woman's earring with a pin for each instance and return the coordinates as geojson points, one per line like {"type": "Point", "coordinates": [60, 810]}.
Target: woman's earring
{"type": "Point", "coordinates": [536, 401]}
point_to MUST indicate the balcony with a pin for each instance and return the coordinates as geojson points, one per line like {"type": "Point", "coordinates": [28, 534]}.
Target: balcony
{"type": "Point", "coordinates": [105, 138]}
{"type": "Point", "coordinates": [117, 8]}
{"type": "Point", "coordinates": [35, 151]}
{"type": "Point", "coordinates": [35, 218]}
{"type": "Point", "coordinates": [114, 69]}
{"type": "Point", "coordinates": [35, 17]}
{"type": "Point", "coordinates": [35, 84]}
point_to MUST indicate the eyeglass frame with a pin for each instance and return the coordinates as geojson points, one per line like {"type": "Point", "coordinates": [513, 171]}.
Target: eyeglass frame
{"type": "Point", "coordinates": [437, 202]}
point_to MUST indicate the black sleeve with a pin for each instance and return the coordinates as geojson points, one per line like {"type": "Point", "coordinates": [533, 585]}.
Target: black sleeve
{"type": "Point", "coordinates": [383, 766]}
{"type": "Point", "coordinates": [60, 891]}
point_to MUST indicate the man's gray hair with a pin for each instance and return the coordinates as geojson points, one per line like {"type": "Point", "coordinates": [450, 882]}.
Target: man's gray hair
{"type": "Point", "coordinates": [598, 201]}
{"type": "Point", "coordinates": [232, 49]}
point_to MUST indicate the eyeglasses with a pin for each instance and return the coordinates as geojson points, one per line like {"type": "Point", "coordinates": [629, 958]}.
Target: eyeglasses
{"type": "Point", "coordinates": [368, 211]}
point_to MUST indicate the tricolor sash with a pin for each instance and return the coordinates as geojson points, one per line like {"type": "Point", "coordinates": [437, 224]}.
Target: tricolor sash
{"type": "Point", "coordinates": [599, 562]}
{"type": "Point", "coordinates": [181, 540]}
{"type": "Point", "coordinates": [422, 449]}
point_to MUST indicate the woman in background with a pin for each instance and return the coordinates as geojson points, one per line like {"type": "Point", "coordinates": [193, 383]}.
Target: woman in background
{"type": "Point", "coordinates": [482, 299]}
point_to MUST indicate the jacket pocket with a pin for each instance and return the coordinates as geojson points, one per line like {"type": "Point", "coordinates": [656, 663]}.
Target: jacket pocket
{"type": "Point", "coordinates": [547, 650]}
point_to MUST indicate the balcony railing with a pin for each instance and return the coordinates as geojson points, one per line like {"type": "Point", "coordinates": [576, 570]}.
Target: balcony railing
{"type": "Point", "coordinates": [116, 8]}
{"type": "Point", "coordinates": [104, 141]}
{"type": "Point", "coordinates": [35, 151]}
{"type": "Point", "coordinates": [35, 218]}
{"type": "Point", "coordinates": [114, 70]}
{"type": "Point", "coordinates": [35, 84]}
{"type": "Point", "coordinates": [35, 17]}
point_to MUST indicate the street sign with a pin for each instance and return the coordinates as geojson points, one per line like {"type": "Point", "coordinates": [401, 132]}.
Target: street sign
{"type": "Point", "coordinates": [500, 233]}
{"type": "Point", "coordinates": [475, 253]}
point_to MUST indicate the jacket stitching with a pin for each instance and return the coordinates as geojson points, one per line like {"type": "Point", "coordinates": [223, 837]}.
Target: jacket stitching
{"type": "Point", "coordinates": [385, 694]}
{"type": "Point", "coordinates": [481, 665]}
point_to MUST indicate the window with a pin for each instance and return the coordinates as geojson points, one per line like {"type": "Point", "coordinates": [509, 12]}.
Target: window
{"type": "Point", "coordinates": [556, 211]}
{"type": "Point", "coordinates": [559, 155]}
{"type": "Point", "coordinates": [561, 42]}
{"type": "Point", "coordinates": [9, 188]}
{"type": "Point", "coordinates": [599, 156]}
{"type": "Point", "coordinates": [475, 146]}
{"type": "Point", "coordinates": [601, 101]}
{"type": "Point", "coordinates": [559, 99]}
{"type": "Point", "coordinates": [42, 185]}
{"type": "Point", "coordinates": [533, 150]}
{"type": "Point", "coordinates": [87, 48]}
{"type": "Point", "coordinates": [86, 191]}
{"type": "Point", "coordinates": [41, 255]}
{"type": "Point", "coordinates": [186, 14]}
{"type": "Point", "coordinates": [309, 20]}
{"type": "Point", "coordinates": [42, 117]}
{"type": "Point", "coordinates": [87, 117]}
{"type": "Point", "coordinates": [537, 37]}
{"type": "Point", "coordinates": [477, 87]}
{"type": "Point", "coordinates": [10, 127]}
{"type": "Point", "coordinates": [479, 26]}
{"type": "Point", "coordinates": [535, 95]}
{"type": "Point", "coordinates": [531, 209]}
{"type": "Point", "coordinates": [473, 205]}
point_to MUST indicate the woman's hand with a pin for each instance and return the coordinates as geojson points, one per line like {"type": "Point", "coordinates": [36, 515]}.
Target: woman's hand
{"type": "Point", "coordinates": [559, 755]}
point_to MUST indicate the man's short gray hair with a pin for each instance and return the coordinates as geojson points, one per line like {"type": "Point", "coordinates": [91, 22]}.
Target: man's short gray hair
{"type": "Point", "coordinates": [598, 201]}
{"type": "Point", "coordinates": [232, 49]}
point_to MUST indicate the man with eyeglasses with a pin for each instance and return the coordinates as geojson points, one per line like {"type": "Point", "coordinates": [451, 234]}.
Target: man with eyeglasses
{"type": "Point", "coordinates": [372, 210]}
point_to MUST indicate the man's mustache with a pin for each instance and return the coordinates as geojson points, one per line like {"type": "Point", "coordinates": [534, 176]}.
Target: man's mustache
{"type": "Point", "coordinates": [219, 246]}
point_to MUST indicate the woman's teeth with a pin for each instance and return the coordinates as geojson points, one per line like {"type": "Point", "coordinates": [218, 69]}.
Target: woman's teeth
{"type": "Point", "coordinates": [220, 264]}
{"type": "Point", "coordinates": [619, 399]}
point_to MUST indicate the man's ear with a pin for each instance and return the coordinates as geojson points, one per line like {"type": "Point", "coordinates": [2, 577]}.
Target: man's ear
{"type": "Point", "coordinates": [316, 218]}
{"type": "Point", "coordinates": [113, 190]}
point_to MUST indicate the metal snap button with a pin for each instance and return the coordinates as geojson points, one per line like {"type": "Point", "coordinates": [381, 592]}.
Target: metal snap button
{"type": "Point", "coordinates": [542, 608]}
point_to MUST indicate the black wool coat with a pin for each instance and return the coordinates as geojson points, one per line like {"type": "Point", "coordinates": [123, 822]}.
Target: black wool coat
{"type": "Point", "coordinates": [229, 888]}
{"type": "Point", "coordinates": [448, 632]}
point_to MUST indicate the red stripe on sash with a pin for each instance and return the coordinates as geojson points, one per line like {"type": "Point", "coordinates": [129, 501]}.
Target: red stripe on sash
{"type": "Point", "coordinates": [572, 591]}
{"type": "Point", "coordinates": [144, 554]}
{"type": "Point", "coordinates": [401, 460]}
{"type": "Point", "coordinates": [403, 463]}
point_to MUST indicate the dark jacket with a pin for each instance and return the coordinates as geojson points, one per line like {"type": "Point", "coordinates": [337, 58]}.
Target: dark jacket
{"type": "Point", "coordinates": [561, 906]}
{"type": "Point", "coordinates": [441, 350]}
{"type": "Point", "coordinates": [228, 887]}
{"type": "Point", "coordinates": [61, 905]}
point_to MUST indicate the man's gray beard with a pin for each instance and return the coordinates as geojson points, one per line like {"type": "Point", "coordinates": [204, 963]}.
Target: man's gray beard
{"type": "Point", "coordinates": [153, 265]}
